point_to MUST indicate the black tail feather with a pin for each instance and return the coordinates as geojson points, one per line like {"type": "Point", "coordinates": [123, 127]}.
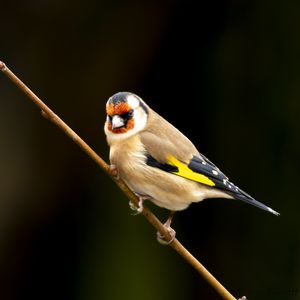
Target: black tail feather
{"type": "Point", "coordinates": [243, 196]}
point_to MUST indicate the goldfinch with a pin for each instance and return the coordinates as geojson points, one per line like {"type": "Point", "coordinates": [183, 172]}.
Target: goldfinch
{"type": "Point", "coordinates": [159, 163]}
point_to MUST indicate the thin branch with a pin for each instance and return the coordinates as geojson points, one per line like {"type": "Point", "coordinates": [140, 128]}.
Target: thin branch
{"type": "Point", "coordinates": [175, 244]}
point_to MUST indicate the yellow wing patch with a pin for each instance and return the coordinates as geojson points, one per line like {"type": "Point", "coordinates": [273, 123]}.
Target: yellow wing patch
{"type": "Point", "coordinates": [186, 172]}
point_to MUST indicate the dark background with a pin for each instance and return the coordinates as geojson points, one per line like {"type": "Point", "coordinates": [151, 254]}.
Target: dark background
{"type": "Point", "coordinates": [226, 73]}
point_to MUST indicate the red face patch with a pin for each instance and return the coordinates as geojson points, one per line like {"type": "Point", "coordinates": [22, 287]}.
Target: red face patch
{"type": "Point", "coordinates": [118, 109]}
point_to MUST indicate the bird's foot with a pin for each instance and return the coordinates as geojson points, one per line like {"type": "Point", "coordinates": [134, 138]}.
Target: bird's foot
{"type": "Point", "coordinates": [138, 209]}
{"type": "Point", "coordinates": [161, 238]}
{"type": "Point", "coordinates": [113, 170]}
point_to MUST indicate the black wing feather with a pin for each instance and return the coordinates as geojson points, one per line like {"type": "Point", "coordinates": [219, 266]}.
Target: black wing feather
{"type": "Point", "coordinates": [207, 168]}
{"type": "Point", "coordinates": [152, 162]}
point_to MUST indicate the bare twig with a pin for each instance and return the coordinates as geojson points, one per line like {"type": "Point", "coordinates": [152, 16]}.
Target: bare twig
{"type": "Point", "coordinates": [175, 244]}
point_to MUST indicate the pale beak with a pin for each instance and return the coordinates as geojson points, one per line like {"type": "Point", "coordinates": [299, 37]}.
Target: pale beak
{"type": "Point", "coordinates": [117, 122]}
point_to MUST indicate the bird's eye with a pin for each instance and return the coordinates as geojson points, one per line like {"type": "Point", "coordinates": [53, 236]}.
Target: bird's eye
{"type": "Point", "coordinates": [127, 115]}
{"type": "Point", "coordinates": [130, 113]}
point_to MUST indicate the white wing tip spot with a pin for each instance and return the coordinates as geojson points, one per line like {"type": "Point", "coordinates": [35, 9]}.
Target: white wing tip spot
{"type": "Point", "coordinates": [215, 172]}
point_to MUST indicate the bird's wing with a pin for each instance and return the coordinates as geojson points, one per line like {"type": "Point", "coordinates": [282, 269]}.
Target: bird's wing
{"type": "Point", "coordinates": [170, 157]}
{"type": "Point", "coordinates": [168, 149]}
{"type": "Point", "coordinates": [196, 169]}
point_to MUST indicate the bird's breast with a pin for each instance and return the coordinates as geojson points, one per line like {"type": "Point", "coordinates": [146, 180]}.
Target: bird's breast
{"type": "Point", "coordinates": [129, 157]}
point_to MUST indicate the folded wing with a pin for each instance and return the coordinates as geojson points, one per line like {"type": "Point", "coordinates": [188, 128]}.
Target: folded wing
{"type": "Point", "coordinates": [202, 170]}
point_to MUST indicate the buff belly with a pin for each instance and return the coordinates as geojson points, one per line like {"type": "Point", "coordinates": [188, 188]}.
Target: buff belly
{"type": "Point", "coordinates": [164, 189]}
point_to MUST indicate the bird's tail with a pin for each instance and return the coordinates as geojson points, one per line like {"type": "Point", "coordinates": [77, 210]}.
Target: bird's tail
{"type": "Point", "coordinates": [243, 196]}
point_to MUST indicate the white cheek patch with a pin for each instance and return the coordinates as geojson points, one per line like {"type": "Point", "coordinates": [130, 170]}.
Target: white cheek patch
{"type": "Point", "coordinates": [140, 119]}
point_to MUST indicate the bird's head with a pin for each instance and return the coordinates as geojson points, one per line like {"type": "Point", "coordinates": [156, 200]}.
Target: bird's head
{"type": "Point", "coordinates": [127, 114]}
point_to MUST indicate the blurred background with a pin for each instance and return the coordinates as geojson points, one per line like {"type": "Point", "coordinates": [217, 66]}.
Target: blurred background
{"type": "Point", "coordinates": [226, 73]}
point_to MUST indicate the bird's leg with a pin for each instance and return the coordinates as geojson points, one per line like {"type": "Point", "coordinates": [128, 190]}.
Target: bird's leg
{"type": "Point", "coordinates": [138, 209]}
{"type": "Point", "coordinates": [113, 170]}
{"type": "Point", "coordinates": [160, 238]}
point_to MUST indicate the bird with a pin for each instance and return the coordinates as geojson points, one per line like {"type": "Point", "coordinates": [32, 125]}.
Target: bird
{"type": "Point", "coordinates": [159, 163]}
